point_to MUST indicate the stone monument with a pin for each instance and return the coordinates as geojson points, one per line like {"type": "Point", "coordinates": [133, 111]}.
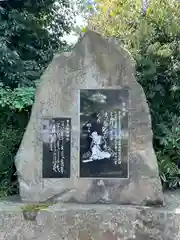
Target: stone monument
{"type": "Point", "coordinates": [89, 137]}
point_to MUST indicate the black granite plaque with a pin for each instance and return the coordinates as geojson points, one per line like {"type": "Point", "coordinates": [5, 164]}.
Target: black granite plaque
{"type": "Point", "coordinates": [104, 133]}
{"type": "Point", "coordinates": [56, 136]}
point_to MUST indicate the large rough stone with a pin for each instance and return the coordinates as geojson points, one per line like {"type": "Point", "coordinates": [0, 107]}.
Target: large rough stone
{"type": "Point", "coordinates": [93, 63]}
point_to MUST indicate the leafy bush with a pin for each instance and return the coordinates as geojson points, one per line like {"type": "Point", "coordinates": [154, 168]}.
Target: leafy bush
{"type": "Point", "coordinates": [158, 73]}
{"type": "Point", "coordinates": [15, 108]}
{"type": "Point", "coordinates": [30, 33]}
{"type": "Point", "coordinates": [151, 33]}
{"type": "Point", "coordinates": [16, 99]}
{"type": "Point", "coordinates": [9, 141]}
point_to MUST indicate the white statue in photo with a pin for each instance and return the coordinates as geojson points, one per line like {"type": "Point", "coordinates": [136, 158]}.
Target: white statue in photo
{"type": "Point", "coordinates": [97, 152]}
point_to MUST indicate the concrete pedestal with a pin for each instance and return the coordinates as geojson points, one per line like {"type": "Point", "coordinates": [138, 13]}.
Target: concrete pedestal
{"type": "Point", "coordinates": [93, 222]}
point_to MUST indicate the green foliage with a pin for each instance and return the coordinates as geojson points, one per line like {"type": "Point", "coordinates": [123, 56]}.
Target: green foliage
{"type": "Point", "coordinates": [158, 73]}
{"type": "Point", "coordinates": [16, 99]}
{"type": "Point", "coordinates": [168, 170]}
{"type": "Point", "coordinates": [30, 33]}
{"type": "Point", "coordinates": [153, 39]}
{"type": "Point", "coordinates": [15, 108]}
{"type": "Point", "coordinates": [14, 113]}
{"type": "Point", "coordinates": [9, 141]}
{"type": "Point", "coordinates": [168, 151]}
{"type": "Point", "coordinates": [36, 207]}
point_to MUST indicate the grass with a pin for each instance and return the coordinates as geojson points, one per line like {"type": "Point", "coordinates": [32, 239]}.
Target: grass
{"type": "Point", "coordinates": [36, 207]}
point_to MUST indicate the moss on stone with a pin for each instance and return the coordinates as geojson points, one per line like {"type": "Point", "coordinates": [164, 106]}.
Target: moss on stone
{"type": "Point", "coordinates": [36, 207]}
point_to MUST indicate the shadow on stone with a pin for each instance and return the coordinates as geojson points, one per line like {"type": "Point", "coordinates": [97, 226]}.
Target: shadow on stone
{"type": "Point", "coordinates": [31, 216]}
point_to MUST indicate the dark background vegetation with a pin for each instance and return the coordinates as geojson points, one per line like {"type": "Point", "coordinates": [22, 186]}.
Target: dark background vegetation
{"type": "Point", "coordinates": [151, 33]}
{"type": "Point", "coordinates": [26, 48]}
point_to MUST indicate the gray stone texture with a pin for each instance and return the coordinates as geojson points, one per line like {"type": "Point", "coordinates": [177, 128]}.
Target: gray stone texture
{"type": "Point", "coordinates": [93, 222]}
{"type": "Point", "coordinates": [93, 63]}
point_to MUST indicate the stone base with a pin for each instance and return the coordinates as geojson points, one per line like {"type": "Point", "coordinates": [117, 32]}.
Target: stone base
{"type": "Point", "coordinates": [92, 222]}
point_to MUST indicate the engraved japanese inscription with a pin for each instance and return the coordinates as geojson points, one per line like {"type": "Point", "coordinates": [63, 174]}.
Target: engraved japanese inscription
{"type": "Point", "coordinates": [56, 136]}
{"type": "Point", "coordinates": [104, 133]}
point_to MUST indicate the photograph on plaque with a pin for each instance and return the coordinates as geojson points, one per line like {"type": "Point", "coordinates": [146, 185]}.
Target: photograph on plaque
{"type": "Point", "coordinates": [56, 136]}
{"type": "Point", "coordinates": [104, 133]}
